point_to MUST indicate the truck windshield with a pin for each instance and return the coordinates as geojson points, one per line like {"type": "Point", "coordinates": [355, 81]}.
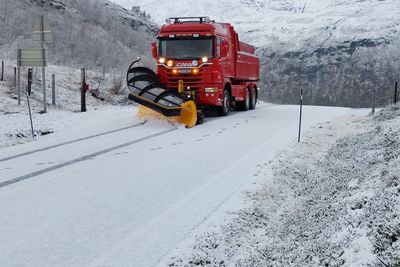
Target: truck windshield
{"type": "Point", "coordinates": [186, 48]}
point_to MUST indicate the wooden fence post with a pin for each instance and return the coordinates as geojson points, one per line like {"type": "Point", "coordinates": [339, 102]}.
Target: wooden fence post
{"type": "Point", "coordinates": [53, 89]}
{"type": "Point", "coordinates": [15, 77]}
{"type": "Point", "coordinates": [83, 90]}
{"type": "Point", "coordinates": [2, 71]}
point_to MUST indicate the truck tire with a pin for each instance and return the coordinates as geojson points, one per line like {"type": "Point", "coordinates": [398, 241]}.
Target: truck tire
{"type": "Point", "coordinates": [244, 105]}
{"type": "Point", "coordinates": [247, 100]}
{"type": "Point", "coordinates": [253, 100]}
{"type": "Point", "coordinates": [200, 117]}
{"type": "Point", "coordinates": [226, 104]}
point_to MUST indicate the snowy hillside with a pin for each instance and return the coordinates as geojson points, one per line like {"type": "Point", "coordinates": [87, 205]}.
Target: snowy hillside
{"type": "Point", "coordinates": [86, 33]}
{"type": "Point", "coordinates": [332, 48]}
{"type": "Point", "coordinates": [97, 35]}
{"type": "Point", "coordinates": [289, 25]}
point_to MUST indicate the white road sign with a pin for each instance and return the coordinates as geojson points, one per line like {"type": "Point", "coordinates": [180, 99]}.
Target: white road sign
{"type": "Point", "coordinates": [32, 57]}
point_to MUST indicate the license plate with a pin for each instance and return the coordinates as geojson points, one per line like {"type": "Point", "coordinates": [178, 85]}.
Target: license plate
{"type": "Point", "coordinates": [184, 71]}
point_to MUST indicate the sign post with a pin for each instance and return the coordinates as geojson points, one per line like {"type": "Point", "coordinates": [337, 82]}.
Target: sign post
{"type": "Point", "coordinates": [42, 33]}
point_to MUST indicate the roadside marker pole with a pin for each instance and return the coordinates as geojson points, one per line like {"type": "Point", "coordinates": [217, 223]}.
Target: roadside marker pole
{"type": "Point", "coordinates": [395, 92]}
{"type": "Point", "coordinates": [301, 113]}
{"type": "Point", "coordinates": [30, 113]}
{"type": "Point", "coordinates": [374, 102]}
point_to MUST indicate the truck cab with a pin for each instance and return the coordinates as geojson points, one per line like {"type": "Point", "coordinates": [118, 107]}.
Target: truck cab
{"type": "Point", "coordinates": [204, 61]}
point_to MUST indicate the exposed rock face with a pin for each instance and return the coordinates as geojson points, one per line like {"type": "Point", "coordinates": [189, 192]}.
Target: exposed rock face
{"type": "Point", "coordinates": [344, 75]}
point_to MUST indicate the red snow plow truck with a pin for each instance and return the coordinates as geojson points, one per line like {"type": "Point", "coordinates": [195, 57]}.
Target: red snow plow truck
{"type": "Point", "coordinates": [201, 65]}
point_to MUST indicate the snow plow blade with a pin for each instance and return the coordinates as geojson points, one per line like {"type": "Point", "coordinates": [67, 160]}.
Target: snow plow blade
{"type": "Point", "coordinates": [146, 90]}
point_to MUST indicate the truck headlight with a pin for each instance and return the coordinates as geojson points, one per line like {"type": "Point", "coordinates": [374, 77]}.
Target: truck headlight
{"type": "Point", "coordinates": [161, 60]}
{"type": "Point", "coordinates": [170, 63]}
{"type": "Point", "coordinates": [204, 59]}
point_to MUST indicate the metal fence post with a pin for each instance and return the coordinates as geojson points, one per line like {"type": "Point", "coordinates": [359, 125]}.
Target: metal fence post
{"type": "Point", "coordinates": [83, 90]}
{"type": "Point", "coordinates": [53, 89]}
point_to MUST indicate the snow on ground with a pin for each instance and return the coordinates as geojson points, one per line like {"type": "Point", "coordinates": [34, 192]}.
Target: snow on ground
{"type": "Point", "coordinates": [331, 200]}
{"type": "Point", "coordinates": [14, 119]}
{"type": "Point", "coordinates": [129, 197]}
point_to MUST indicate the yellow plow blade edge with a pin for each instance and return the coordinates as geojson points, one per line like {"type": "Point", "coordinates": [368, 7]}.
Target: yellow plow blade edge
{"type": "Point", "coordinates": [188, 115]}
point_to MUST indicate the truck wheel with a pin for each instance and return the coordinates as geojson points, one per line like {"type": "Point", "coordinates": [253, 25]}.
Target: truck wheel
{"type": "Point", "coordinates": [246, 102]}
{"type": "Point", "coordinates": [244, 105]}
{"type": "Point", "coordinates": [226, 104]}
{"type": "Point", "coordinates": [253, 99]}
{"type": "Point", "coordinates": [200, 117]}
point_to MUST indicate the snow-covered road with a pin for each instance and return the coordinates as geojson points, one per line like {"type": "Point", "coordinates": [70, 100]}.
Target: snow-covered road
{"type": "Point", "coordinates": [128, 197]}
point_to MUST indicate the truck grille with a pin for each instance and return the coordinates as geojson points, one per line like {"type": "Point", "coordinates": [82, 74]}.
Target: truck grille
{"type": "Point", "coordinates": [194, 81]}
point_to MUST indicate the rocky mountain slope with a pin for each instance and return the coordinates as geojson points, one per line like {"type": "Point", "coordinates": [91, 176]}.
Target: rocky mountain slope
{"type": "Point", "coordinates": [339, 51]}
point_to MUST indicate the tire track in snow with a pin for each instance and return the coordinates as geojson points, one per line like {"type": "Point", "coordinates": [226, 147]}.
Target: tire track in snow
{"type": "Point", "coordinates": [89, 156]}
{"type": "Point", "coordinates": [69, 142]}
{"type": "Point", "coordinates": [83, 158]}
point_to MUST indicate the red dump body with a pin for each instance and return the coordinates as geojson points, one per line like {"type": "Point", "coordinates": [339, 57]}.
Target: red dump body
{"type": "Point", "coordinates": [208, 59]}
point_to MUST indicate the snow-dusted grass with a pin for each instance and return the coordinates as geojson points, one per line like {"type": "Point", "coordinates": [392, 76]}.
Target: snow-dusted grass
{"type": "Point", "coordinates": [14, 118]}
{"type": "Point", "coordinates": [333, 202]}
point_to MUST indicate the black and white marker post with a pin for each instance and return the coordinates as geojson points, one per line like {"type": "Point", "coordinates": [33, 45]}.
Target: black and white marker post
{"type": "Point", "coordinates": [30, 113]}
{"type": "Point", "coordinates": [301, 113]}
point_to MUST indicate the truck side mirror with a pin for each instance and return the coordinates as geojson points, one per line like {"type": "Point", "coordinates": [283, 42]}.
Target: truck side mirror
{"type": "Point", "coordinates": [154, 50]}
{"type": "Point", "coordinates": [224, 48]}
